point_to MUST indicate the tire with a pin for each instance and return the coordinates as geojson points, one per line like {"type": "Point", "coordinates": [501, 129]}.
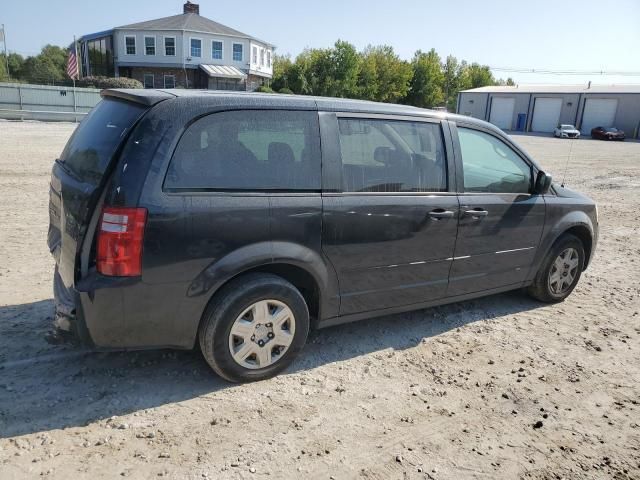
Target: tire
{"type": "Point", "coordinates": [244, 302]}
{"type": "Point", "coordinates": [543, 287]}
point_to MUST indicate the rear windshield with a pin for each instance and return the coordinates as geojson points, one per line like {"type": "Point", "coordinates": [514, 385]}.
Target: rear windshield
{"type": "Point", "coordinates": [88, 152]}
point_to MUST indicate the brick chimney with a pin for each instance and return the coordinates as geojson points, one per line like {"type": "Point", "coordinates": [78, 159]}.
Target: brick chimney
{"type": "Point", "coordinates": [191, 8]}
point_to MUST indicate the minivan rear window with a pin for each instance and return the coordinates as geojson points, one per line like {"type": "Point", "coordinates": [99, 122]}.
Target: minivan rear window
{"type": "Point", "coordinates": [89, 151]}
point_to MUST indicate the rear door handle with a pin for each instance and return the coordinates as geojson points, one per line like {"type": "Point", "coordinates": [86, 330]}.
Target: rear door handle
{"type": "Point", "coordinates": [439, 213]}
{"type": "Point", "coordinates": [477, 212]}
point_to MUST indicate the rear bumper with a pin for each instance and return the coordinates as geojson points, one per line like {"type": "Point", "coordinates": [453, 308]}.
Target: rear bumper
{"type": "Point", "coordinates": [69, 317]}
{"type": "Point", "coordinates": [124, 313]}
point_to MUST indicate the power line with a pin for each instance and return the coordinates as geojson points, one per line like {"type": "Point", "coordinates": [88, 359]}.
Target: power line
{"type": "Point", "coordinates": [543, 71]}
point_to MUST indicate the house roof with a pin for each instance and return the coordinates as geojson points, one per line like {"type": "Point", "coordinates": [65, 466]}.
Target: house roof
{"type": "Point", "coordinates": [582, 88]}
{"type": "Point", "coordinates": [188, 21]}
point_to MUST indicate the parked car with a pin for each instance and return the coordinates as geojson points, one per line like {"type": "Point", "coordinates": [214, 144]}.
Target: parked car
{"type": "Point", "coordinates": [566, 131]}
{"type": "Point", "coordinates": [608, 133]}
{"type": "Point", "coordinates": [239, 221]}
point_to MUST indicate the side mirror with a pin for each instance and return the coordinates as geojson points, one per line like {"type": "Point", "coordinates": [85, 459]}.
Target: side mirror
{"type": "Point", "coordinates": [543, 183]}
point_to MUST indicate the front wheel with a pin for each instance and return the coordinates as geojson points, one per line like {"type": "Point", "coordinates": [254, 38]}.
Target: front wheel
{"type": "Point", "coordinates": [254, 328]}
{"type": "Point", "coordinates": [560, 271]}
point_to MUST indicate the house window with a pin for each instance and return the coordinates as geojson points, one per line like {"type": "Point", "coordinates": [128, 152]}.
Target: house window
{"type": "Point", "coordinates": [169, 81]}
{"type": "Point", "coordinates": [148, 80]}
{"type": "Point", "coordinates": [130, 45]}
{"type": "Point", "coordinates": [237, 52]}
{"type": "Point", "coordinates": [269, 58]}
{"type": "Point", "coordinates": [196, 47]}
{"type": "Point", "coordinates": [216, 50]}
{"type": "Point", "coordinates": [254, 55]}
{"type": "Point", "coordinates": [262, 57]}
{"type": "Point", "coordinates": [149, 45]}
{"type": "Point", "coordinates": [170, 46]}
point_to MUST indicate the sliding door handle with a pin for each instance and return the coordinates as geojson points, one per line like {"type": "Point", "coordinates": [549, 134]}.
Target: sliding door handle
{"type": "Point", "coordinates": [476, 212]}
{"type": "Point", "coordinates": [440, 213]}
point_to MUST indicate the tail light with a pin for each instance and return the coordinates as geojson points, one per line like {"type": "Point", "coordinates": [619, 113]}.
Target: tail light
{"type": "Point", "coordinates": [120, 238]}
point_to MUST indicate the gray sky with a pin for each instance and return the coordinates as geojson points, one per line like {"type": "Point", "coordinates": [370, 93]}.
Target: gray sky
{"type": "Point", "coordinates": [585, 35]}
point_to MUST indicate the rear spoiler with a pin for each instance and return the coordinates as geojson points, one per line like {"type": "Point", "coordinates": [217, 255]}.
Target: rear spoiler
{"type": "Point", "coordinates": [145, 97]}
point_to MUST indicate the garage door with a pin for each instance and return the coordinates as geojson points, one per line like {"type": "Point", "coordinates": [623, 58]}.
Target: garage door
{"type": "Point", "coordinates": [546, 114]}
{"type": "Point", "coordinates": [598, 112]}
{"type": "Point", "coordinates": [502, 112]}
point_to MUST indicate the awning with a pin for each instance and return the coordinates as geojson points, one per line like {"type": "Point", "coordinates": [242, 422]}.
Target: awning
{"type": "Point", "coordinates": [222, 71]}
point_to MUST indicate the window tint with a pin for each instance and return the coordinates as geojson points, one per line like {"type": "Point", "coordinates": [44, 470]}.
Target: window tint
{"type": "Point", "coordinates": [248, 150]}
{"type": "Point", "coordinates": [392, 156]}
{"type": "Point", "coordinates": [490, 165]}
{"type": "Point", "coordinates": [88, 152]}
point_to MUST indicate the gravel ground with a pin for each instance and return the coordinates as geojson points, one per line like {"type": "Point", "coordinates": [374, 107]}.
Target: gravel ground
{"type": "Point", "coordinates": [501, 387]}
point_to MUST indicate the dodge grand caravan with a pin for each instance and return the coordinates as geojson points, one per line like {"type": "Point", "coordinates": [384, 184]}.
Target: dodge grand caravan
{"type": "Point", "coordinates": [240, 221]}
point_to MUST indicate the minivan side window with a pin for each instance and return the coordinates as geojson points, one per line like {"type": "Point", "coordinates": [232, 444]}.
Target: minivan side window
{"type": "Point", "coordinates": [490, 165]}
{"type": "Point", "coordinates": [248, 150]}
{"type": "Point", "coordinates": [381, 155]}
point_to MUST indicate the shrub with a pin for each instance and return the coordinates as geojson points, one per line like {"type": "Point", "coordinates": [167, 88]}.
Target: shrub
{"type": "Point", "coordinates": [109, 82]}
{"type": "Point", "coordinates": [286, 91]}
{"type": "Point", "coordinates": [264, 89]}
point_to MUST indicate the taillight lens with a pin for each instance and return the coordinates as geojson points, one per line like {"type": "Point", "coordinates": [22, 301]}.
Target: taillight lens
{"type": "Point", "coordinates": [120, 240]}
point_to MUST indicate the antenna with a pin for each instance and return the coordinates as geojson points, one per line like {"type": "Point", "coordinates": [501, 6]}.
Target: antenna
{"type": "Point", "coordinates": [566, 166]}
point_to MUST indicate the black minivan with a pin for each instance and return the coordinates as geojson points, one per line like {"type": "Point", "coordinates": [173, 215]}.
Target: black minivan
{"type": "Point", "coordinates": [240, 221]}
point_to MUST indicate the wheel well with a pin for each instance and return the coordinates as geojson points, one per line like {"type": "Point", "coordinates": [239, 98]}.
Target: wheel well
{"type": "Point", "coordinates": [298, 277]}
{"type": "Point", "coordinates": [584, 235]}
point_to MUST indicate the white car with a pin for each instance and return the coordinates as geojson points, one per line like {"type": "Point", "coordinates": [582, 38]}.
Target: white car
{"type": "Point", "coordinates": [566, 131]}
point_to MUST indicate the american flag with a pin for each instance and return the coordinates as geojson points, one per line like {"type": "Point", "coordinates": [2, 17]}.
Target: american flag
{"type": "Point", "coordinates": [72, 63]}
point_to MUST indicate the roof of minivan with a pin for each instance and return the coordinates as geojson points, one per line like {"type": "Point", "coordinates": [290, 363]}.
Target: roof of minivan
{"type": "Point", "coordinates": [151, 97]}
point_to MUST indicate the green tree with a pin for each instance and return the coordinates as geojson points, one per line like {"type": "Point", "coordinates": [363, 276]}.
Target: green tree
{"type": "Point", "coordinates": [4, 76]}
{"type": "Point", "coordinates": [340, 67]}
{"type": "Point", "coordinates": [480, 76]}
{"type": "Point", "coordinates": [282, 69]}
{"type": "Point", "coordinates": [47, 67]}
{"type": "Point", "coordinates": [16, 63]}
{"type": "Point", "coordinates": [453, 81]}
{"type": "Point", "coordinates": [383, 76]}
{"type": "Point", "coordinates": [426, 87]}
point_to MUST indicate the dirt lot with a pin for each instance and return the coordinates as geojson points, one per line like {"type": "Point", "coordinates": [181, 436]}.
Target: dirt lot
{"type": "Point", "coordinates": [446, 393]}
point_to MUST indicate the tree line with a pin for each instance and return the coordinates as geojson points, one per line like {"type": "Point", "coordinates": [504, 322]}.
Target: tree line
{"type": "Point", "coordinates": [378, 73]}
{"type": "Point", "coordinates": [48, 67]}
{"type": "Point", "coordinates": [375, 73]}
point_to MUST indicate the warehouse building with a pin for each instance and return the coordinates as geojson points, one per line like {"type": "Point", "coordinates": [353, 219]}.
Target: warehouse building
{"type": "Point", "coordinates": [540, 108]}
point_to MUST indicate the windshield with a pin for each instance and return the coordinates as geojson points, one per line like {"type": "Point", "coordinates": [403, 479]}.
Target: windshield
{"type": "Point", "coordinates": [567, 127]}
{"type": "Point", "coordinates": [612, 130]}
{"type": "Point", "coordinates": [88, 152]}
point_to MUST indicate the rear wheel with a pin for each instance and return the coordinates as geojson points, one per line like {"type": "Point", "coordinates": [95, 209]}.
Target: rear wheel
{"type": "Point", "coordinates": [254, 328]}
{"type": "Point", "coordinates": [560, 272]}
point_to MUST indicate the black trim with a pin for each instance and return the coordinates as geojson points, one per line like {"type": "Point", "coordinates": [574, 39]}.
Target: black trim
{"type": "Point", "coordinates": [335, 140]}
{"type": "Point", "coordinates": [533, 167]}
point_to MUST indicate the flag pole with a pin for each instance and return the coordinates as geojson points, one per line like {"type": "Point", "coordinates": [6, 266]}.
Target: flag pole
{"type": "Point", "coordinates": [75, 103]}
{"type": "Point", "coordinates": [4, 42]}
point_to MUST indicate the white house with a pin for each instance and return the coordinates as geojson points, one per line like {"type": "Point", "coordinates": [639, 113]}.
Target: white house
{"type": "Point", "coordinates": [187, 50]}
